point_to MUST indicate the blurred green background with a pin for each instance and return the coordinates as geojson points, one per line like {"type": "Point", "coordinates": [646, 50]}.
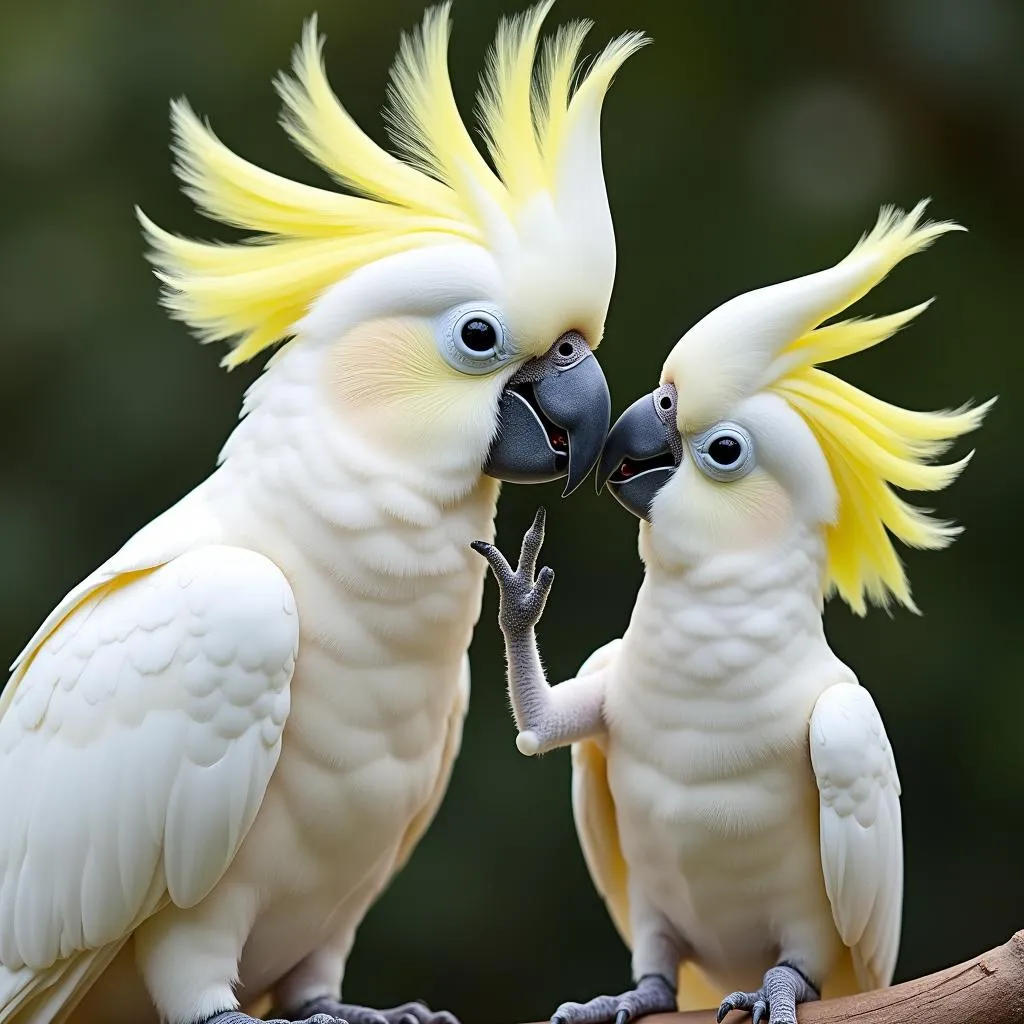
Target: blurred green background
{"type": "Point", "coordinates": [751, 143]}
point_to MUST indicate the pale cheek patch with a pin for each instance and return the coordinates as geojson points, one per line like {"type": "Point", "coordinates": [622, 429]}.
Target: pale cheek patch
{"type": "Point", "coordinates": [750, 513]}
{"type": "Point", "coordinates": [388, 375]}
{"type": "Point", "coordinates": [384, 362]}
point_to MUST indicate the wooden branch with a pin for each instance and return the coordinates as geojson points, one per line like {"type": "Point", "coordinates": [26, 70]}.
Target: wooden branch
{"type": "Point", "coordinates": [986, 990]}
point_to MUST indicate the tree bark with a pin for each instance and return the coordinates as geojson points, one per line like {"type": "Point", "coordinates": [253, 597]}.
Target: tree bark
{"type": "Point", "coordinates": [986, 990]}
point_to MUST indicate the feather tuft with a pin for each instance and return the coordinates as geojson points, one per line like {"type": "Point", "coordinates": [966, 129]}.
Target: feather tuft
{"type": "Point", "coordinates": [871, 446]}
{"type": "Point", "coordinates": [305, 239]}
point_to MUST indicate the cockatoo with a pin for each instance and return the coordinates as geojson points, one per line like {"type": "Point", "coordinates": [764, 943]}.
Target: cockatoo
{"type": "Point", "coordinates": [221, 745]}
{"type": "Point", "coordinates": [734, 789]}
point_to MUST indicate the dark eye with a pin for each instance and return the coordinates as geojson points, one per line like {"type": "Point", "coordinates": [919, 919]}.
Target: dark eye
{"type": "Point", "coordinates": [478, 340]}
{"type": "Point", "coordinates": [725, 450]}
{"type": "Point", "coordinates": [479, 336]}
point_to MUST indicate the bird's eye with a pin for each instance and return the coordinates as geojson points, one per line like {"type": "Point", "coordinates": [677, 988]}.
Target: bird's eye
{"type": "Point", "coordinates": [479, 335]}
{"type": "Point", "coordinates": [476, 340]}
{"type": "Point", "coordinates": [725, 452]}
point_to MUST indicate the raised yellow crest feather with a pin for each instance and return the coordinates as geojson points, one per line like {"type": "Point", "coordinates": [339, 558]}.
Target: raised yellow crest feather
{"type": "Point", "coordinates": [871, 446]}
{"type": "Point", "coordinates": [307, 238]}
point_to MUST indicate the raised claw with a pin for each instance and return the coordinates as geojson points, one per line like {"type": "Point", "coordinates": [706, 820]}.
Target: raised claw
{"type": "Point", "coordinates": [533, 541]}
{"type": "Point", "coordinates": [503, 572]}
{"type": "Point", "coordinates": [522, 597]}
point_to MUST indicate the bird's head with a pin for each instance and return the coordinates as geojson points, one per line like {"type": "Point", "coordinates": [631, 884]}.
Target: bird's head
{"type": "Point", "coordinates": [746, 438]}
{"type": "Point", "coordinates": [456, 306]}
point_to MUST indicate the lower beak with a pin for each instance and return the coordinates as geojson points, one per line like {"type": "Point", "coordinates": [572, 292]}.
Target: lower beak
{"type": "Point", "coordinates": [640, 456]}
{"type": "Point", "coordinates": [553, 418]}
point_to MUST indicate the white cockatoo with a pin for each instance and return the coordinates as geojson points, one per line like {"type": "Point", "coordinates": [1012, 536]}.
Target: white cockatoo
{"type": "Point", "coordinates": [220, 746]}
{"type": "Point", "coordinates": [734, 791]}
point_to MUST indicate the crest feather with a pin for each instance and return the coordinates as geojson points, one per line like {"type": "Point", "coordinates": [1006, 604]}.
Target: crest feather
{"type": "Point", "coordinates": [423, 118]}
{"type": "Point", "coordinates": [872, 446]}
{"type": "Point", "coordinates": [553, 86]}
{"type": "Point", "coordinates": [305, 239]}
{"type": "Point", "coordinates": [505, 102]}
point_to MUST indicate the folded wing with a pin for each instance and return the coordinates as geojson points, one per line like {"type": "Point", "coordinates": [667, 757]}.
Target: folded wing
{"type": "Point", "coordinates": [137, 739]}
{"type": "Point", "coordinates": [861, 828]}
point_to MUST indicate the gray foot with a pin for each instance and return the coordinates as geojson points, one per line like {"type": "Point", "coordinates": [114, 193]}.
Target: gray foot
{"type": "Point", "coordinates": [784, 987]}
{"type": "Point", "coordinates": [653, 994]}
{"type": "Point", "coordinates": [408, 1013]}
{"type": "Point", "coordinates": [521, 597]}
{"type": "Point", "coordinates": [237, 1017]}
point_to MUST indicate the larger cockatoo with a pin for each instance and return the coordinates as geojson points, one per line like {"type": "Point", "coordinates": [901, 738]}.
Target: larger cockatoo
{"type": "Point", "coordinates": [221, 745]}
{"type": "Point", "coordinates": [734, 790]}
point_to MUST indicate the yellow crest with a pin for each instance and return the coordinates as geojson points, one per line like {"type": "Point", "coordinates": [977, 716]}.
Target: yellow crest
{"type": "Point", "coordinates": [872, 446]}
{"type": "Point", "coordinates": [770, 339]}
{"type": "Point", "coordinates": [439, 189]}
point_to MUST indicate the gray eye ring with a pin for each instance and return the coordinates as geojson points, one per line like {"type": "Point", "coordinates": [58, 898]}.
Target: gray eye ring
{"type": "Point", "coordinates": [460, 354]}
{"type": "Point", "coordinates": [701, 448]}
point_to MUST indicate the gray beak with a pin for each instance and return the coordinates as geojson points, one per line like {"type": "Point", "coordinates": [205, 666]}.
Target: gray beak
{"type": "Point", "coordinates": [642, 452]}
{"type": "Point", "coordinates": [553, 418]}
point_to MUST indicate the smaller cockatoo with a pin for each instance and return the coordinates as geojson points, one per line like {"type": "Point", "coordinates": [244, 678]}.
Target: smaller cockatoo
{"type": "Point", "coordinates": [734, 789]}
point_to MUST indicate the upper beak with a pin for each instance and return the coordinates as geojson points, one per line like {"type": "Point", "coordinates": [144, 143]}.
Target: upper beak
{"type": "Point", "coordinates": [553, 418]}
{"type": "Point", "coordinates": [640, 455]}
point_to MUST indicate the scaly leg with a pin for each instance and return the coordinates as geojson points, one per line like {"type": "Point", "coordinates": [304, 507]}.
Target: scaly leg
{"type": "Point", "coordinates": [408, 1013]}
{"type": "Point", "coordinates": [785, 986]}
{"type": "Point", "coordinates": [328, 1011]}
{"type": "Point", "coordinates": [314, 986]}
{"type": "Point", "coordinates": [654, 993]}
{"type": "Point", "coordinates": [547, 717]}
{"type": "Point", "coordinates": [237, 1017]}
{"type": "Point", "coordinates": [658, 949]}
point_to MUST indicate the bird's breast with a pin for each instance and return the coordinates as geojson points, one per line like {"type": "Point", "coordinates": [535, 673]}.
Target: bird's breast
{"type": "Point", "coordinates": [708, 711]}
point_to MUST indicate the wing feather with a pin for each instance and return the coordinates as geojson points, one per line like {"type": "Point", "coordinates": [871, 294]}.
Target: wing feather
{"type": "Point", "coordinates": [136, 746]}
{"type": "Point", "coordinates": [861, 828]}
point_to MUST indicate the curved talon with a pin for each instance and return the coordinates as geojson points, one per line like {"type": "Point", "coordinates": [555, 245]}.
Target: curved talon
{"type": "Point", "coordinates": [495, 559]}
{"type": "Point", "coordinates": [653, 994]}
{"type": "Point", "coordinates": [522, 598]}
{"type": "Point", "coordinates": [784, 988]}
{"type": "Point", "coordinates": [533, 541]}
{"type": "Point", "coordinates": [332, 1012]}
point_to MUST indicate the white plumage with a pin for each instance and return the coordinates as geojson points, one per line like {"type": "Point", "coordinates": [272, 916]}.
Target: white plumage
{"type": "Point", "coordinates": [861, 837]}
{"type": "Point", "coordinates": [138, 746]}
{"type": "Point", "coordinates": [219, 748]}
{"type": "Point", "coordinates": [734, 790]}
{"type": "Point", "coordinates": [145, 722]}
{"type": "Point", "coordinates": [708, 697]}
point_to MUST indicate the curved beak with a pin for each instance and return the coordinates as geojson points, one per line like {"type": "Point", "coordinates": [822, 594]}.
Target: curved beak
{"type": "Point", "coordinates": [640, 455]}
{"type": "Point", "coordinates": [552, 418]}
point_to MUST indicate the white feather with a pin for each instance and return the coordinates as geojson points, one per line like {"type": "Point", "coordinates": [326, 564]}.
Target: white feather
{"type": "Point", "coordinates": [140, 742]}
{"type": "Point", "coordinates": [861, 830]}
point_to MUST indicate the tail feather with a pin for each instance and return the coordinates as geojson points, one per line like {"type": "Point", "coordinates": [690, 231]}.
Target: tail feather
{"type": "Point", "coordinates": [695, 991]}
{"type": "Point", "coordinates": [843, 979]}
